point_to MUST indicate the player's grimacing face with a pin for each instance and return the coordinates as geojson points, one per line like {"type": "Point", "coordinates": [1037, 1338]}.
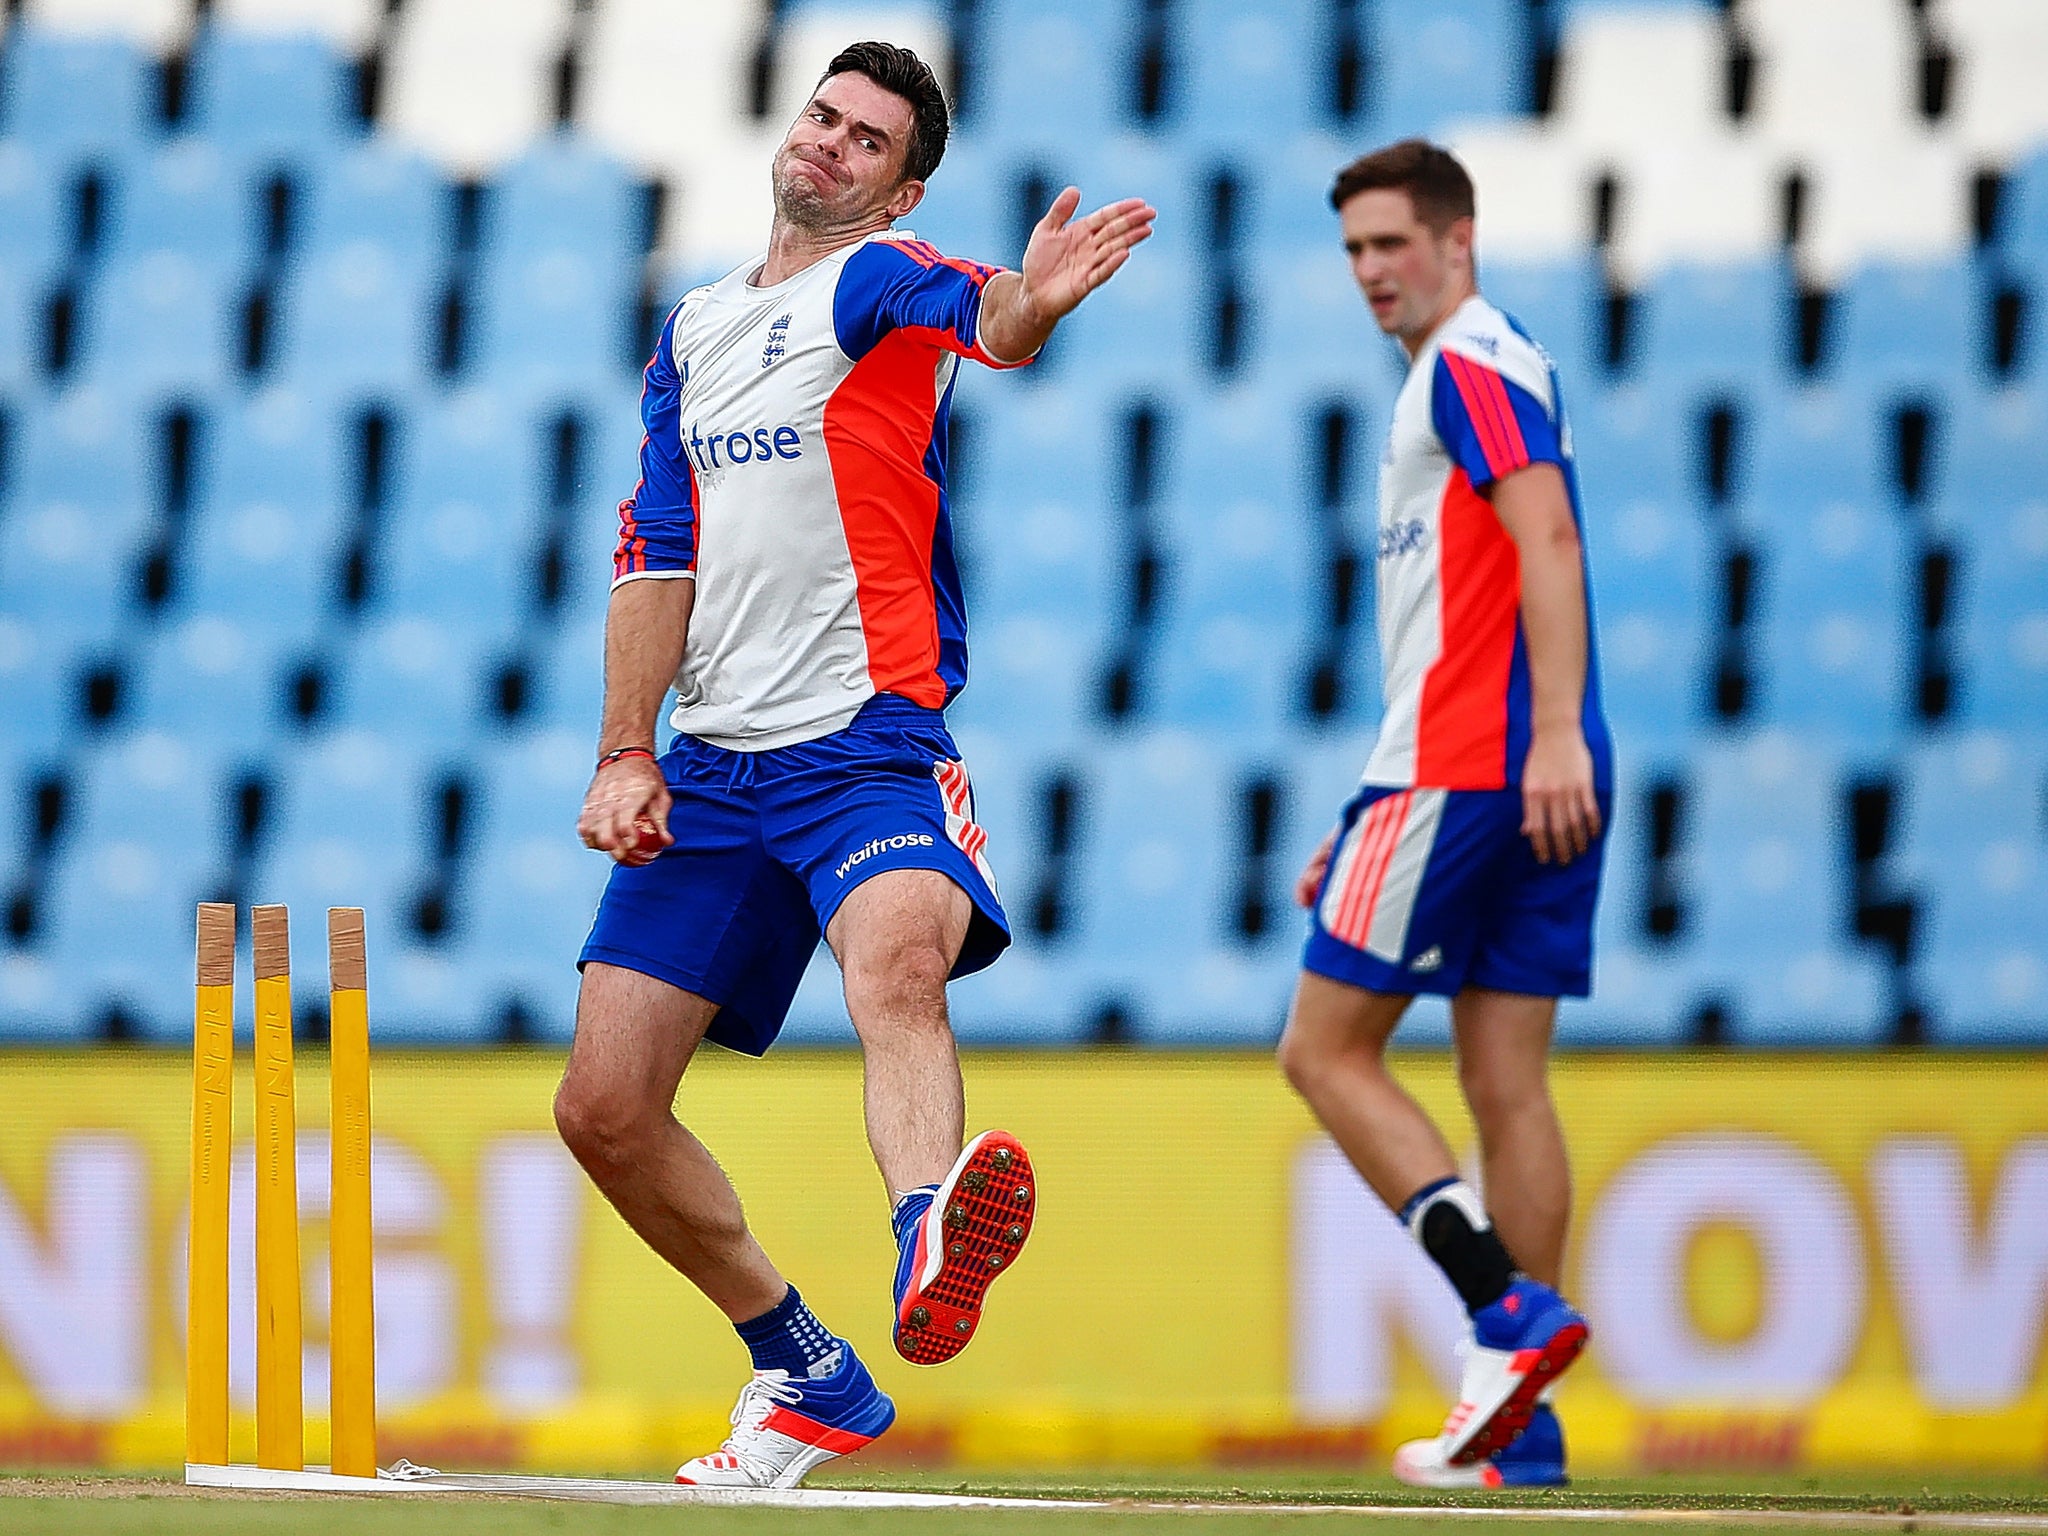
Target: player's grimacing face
{"type": "Point", "coordinates": [1402, 266]}
{"type": "Point", "coordinates": [842, 160]}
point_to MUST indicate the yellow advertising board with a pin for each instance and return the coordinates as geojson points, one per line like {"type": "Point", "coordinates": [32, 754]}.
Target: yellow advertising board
{"type": "Point", "coordinates": [1786, 1261]}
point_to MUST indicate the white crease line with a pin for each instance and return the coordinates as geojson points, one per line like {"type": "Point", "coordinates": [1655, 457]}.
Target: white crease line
{"type": "Point", "coordinates": [606, 1491]}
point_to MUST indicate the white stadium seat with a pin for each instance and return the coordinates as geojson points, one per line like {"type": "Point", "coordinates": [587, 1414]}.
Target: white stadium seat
{"type": "Point", "coordinates": [714, 155]}
{"type": "Point", "coordinates": [806, 41]}
{"type": "Point", "coordinates": [350, 25]}
{"type": "Point", "coordinates": [1832, 72]}
{"type": "Point", "coordinates": [1704, 202]}
{"type": "Point", "coordinates": [1634, 79]}
{"type": "Point", "coordinates": [1996, 105]}
{"type": "Point", "coordinates": [674, 102]}
{"type": "Point", "coordinates": [718, 210]}
{"type": "Point", "coordinates": [664, 95]}
{"type": "Point", "coordinates": [1536, 191]}
{"type": "Point", "coordinates": [1903, 200]}
{"type": "Point", "coordinates": [472, 94]}
{"type": "Point", "coordinates": [156, 24]}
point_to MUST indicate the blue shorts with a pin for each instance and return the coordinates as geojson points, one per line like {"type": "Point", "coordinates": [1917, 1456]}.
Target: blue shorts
{"type": "Point", "coordinates": [1436, 890]}
{"type": "Point", "coordinates": [767, 845]}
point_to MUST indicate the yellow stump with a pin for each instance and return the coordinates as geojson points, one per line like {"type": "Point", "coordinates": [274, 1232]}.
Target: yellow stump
{"type": "Point", "coordinates": [351, 1330]}
{"type": "Point", "coordinates": [280, 1395]}
{"type": "Point", "coordinates": [206, 1259]}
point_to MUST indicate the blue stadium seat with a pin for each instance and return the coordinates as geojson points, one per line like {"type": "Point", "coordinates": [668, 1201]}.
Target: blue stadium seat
{"type": "Point", "coordinates": [1715, 328]}
{"type": "Point", "coordinates": [274, 96]}
{"type": "Point", "coordinates": [1050, 558]}
{"type": "Point", "coordinates": [1166, 173]}
{"type": "Point", "coordinates": [1056, 73]}
{"type": "Point", "coordinates": [1961, 796]}
{"type": "Point", "coordinates": [1290, 212]}
{"type": "Point", "coordinates": [566, 681]}
{"type": "Point", "coordinates": [265, 566]}
{"type": "Point", "coordinates": [39, 1001]}
{"type": "Point", "coordinates": [1319, 773]}
{"type": "Point", "coordinates": [348, 827]}
{"type": "Point", "coordinates": [1763, 861]}
{"type": "Point", "coordinates": [1654, 582]}
{"type": "Point", "coordinates": [60, 571]}
{"type": "Point", "coordinates": [1242, 568]}
{"type": "Point", "coordinates": [1032, 531]}
{"type": "Point", "coordinates": [280, 444]}
{"type": "Point", "coordinates": [1440, 61]}
{"type": "Point", "coordinates": [1644, 990]}
{"type": "Point", "coordinates": [73, 96]}
{"type": "Point", "coordinates": [1560, 304]}
{"type": "Point", "coordinates": [459, 563]}
{"type": "Point", "coordinates": [163, 323]}
{"type": "Point", "coordinates": [528, 892]}
{"type": "Point", "coordinates": [1247, 73]}
{"type": "Point", "coordinates": [555, 317]}
{"type": "Point", "coordinates": [1971, 846]}
{"type": "Point", "coordinates": [565, 194]}
{"type": "Point", "coordinates": [1159, 851]}
{"type": "Point", "coordinates": [1987, 457]}
{"type": "Point", "coordinates": [483, 444]}
{"type": "Point", "coordinates": [1806, 449]}
{"type": "Point", "coordinates": [1644, 996]}
{"type": "Point", "coordinates": [427, 993]}
{"type": "Point", "coordinates": [382, 193]}
{"type": "Point", "coordinates": [1310, 326]}
{"type": "Point", "coordinates": [1919, 325]}
{"type": "Point", "coordinates": [1629, 450]}
{"type": "Point", "coordinates": [39, 685]}
{"type": "Point", "coordinates": [35, 214]}
{"type": "Point", "coordinates": [149, 838]}
{"type": "Point", "coordinates": [2001, 634]}
{"type": "Point", "coordinates": [21, 328]}
{"type": "Point", "coordinates": [1983, 956]}
{"type": "Point", "coordinates": [1036, 994]}
{"type": "Point", "coordinates": [1028, 673]}
{"type": "Point", "coordinates": [188, 196]}
{"type": "Point", "coordinates": [969, 209]}
{"type": "Point", "coordinates": [81, 447]}
{"type": "Point", "coordinates": [211, 679]}
{"type": "Point", "coordinates": [359, 319]}
{"type": "Point", "coordinates": [1833, 620]}
{"type": "Point", "coordinates": [2023, 218]}
{"type": "Point", "coordinates": [416, 681]}
{"type": "Point", "coordinates": [1146, 330]}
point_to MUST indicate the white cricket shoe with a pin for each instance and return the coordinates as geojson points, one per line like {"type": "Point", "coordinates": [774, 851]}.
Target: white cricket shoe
{"type": "Point", "coordinates": [784, 1425]}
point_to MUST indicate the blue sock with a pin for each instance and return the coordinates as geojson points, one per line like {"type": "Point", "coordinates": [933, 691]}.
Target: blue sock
{"type": "Point", "coordinates": [787, 1337]}
{"type": "Point", "coordinates": [910, 1208]}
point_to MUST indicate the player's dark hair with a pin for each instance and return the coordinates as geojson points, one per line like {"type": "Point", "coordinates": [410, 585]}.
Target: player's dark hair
{"type": "Point", "coordinates": [902, 72]}
{"type": "Point", "coordinates": [1435, 182]}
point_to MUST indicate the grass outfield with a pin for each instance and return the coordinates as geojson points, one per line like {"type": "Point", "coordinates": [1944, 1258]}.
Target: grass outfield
{"type": "Point", "coordinates": [45, 1506]}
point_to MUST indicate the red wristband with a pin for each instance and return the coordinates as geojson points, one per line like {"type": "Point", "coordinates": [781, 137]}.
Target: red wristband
{"type": "Point", "coordinates": [618, 752]}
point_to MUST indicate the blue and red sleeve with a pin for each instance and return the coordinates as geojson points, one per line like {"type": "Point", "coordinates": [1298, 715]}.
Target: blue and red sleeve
{"type": "Point", "coordinates": [891, 286]}
{"type": "Point", "coordinates": [1490, 425]}
{"type": "Point", "coordinates": [658, 522]}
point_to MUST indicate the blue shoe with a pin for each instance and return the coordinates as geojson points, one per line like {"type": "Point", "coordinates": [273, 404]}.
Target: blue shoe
{"type": "Point", "coordinates": [1520, 1345]}
{"type": "Point", "coordinates": [949, 1257]}
{"type": "Point", "coordinates": [785, 1425]}
{"type": "Point", "coordinates": [1533, 1459]}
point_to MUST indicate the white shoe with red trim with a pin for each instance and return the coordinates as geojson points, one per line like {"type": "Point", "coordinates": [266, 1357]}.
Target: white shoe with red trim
{"type": "Point", "coordinates": [783, 1426]}
{"type": "Point", "coordinates": [1521, 1344]}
